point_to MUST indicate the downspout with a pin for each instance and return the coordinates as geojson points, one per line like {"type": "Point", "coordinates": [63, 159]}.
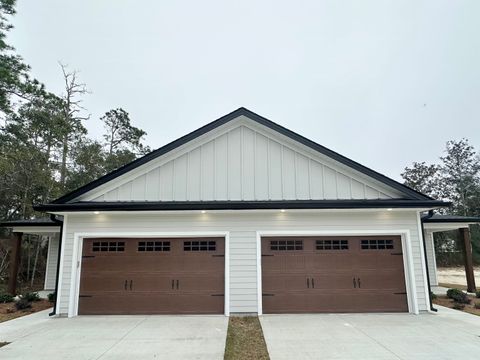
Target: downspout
{"type": "Point", "coordinates": [430, 214]}
{"type": "Point", "coordinates": [58, 263]}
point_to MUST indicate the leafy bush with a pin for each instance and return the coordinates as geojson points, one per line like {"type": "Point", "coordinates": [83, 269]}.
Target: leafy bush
{"type": "Point", "coordinates": [51, 297]}
{"type": "Point", "coordinates": [458, 296]}
{"type": "Point", "coordinates": [458, 306]}
{"type": "Point", "coordinates": [433, 296]}
{"type": "Point", "coordinates": [453, 292]}
{"type": "Point", "coordinates": [31, 296]}
{"type": "Point", "coordinates": [477, 294]}
{"type": "Point", "coordinates": [6, 298]}
{"type": "Point", "coordinates": [23, 304]}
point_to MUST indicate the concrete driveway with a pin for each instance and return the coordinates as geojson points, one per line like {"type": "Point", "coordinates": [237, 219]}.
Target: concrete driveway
{"type": "Point", "coordinates": [449, 334]}
{"type": "Point", "coordinates": [114, 337]}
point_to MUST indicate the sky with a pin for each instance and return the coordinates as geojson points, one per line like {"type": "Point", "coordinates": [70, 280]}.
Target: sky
{"type": "Point", "coordinates": [385, 83]}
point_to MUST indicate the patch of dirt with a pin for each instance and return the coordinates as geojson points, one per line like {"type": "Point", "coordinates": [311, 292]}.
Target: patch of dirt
{"type": "Point", "coordinates": [9, 312]}
{"type": "Point", "coordinates": [456, 275]}
{"type": "Point", "coordinates": [245, 339]}
{"type": "Point", "coordinates": [469, 308]}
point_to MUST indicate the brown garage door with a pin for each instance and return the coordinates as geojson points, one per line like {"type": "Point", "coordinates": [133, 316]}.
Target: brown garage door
{"type": "Point", "coordinates": [152, 276]}
{"type": "Point", "coordinates": [333, 274]}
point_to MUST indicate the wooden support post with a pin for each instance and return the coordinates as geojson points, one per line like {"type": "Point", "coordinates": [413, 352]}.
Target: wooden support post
{"type": "Point", "coordinates": [467, 251]}
{"type": "Point", "coordinates": [15, 262]}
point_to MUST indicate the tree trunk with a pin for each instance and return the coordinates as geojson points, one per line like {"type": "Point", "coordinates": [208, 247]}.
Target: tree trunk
{"type": "Point", "coordinates": [63, 169]}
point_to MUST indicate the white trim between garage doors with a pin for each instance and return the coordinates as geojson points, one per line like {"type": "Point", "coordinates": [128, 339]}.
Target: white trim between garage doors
{"type": "Point", "coordinates": [406, 250]}
{"type": "Point", "coordinates": [78, 248]}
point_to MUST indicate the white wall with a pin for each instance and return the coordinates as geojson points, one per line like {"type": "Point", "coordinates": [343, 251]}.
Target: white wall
{"type": "Point", "coordinates": [52, 260]}
{"type": "Point", "coordinates": [242, 226]}
{"type": "Point", "coordinates": [241, 161]}
{"type": "Point", "coordinates": [432, 263]}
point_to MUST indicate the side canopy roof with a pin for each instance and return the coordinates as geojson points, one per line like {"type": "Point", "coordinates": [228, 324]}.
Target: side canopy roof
{"type": "Point", "coordinates": [241, 161]}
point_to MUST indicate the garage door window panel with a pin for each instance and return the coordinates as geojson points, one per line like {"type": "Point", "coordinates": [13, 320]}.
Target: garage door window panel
{"type": "Point", "coordinates": [108, 246]}
{"type": "Point", "coordinates": [146, 246]}
{"type": "Point", "coordinates": [332, 245]}
{"type": "Point", "coordinates": [286, 245]}
{"type": "Point", "coordinates": [377, 244]}
{"type": "Point", "coordinates": [200, 246]}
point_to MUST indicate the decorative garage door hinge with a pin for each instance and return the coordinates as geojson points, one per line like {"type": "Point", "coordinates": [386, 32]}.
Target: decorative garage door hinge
{"type": "Point", "coordinates": [400, 293]}
{"type": "Point", "coordinates": [85, 296]}
{"type": "Point", "coordinates": [396, 254]}
{"type": "Point", "coordinates": [217, 295]}
{"type": "Point", "coordinates": [268, 294]}
{"type": "Point", "coordinates": [267, 255]}
{"type": "Point", "coordinates": [88, 256]}
{"type": "Point", "coordinates": [218, 255]}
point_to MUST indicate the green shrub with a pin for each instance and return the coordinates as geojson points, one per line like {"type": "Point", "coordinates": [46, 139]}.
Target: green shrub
{"type": "Point", "coordinates": [433, 296]}
{"type": "Point", "coordinates": [23, 304]}
{"type": "Point", "coordinates": [458, 296]}
{"type": "Point", "coordinates": [31, 296]}
{"type": "Point", "coordinates": [477, 294]}
{"type": "Point", "coordinates": [51, 297]}
{"type": "Point", "coordinates": [458, 306]}
{"type": "Point", "coordinates": [6, 298]}
{"type": "Point", "coordinates": [453, 292]}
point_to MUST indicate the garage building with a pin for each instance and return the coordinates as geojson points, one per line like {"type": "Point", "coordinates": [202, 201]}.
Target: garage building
{"type": "Point", "coordinates": [242, 216]}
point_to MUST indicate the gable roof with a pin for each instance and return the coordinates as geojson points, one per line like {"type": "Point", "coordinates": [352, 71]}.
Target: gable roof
{"type": "Point", "coordinates": [409, 193]}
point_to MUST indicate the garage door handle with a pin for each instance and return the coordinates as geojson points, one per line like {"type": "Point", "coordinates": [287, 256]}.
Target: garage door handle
{"type": "Point", "coordinates": [131, 283]}
{"type": "Point", "coordinates": [173, 284]}
{"type": "Point", "coordinates": [354, 283]}
{"type": "Point", "coordinates": [358, 280]}
{"type": "Point", "coordinates": [126, 282]}
{"type": "Point", "coordinates": [308, 283]}
{"type": "Point", "coordinates": [313, 283]}
{"type": "Point", "coordinates": [177, 284]}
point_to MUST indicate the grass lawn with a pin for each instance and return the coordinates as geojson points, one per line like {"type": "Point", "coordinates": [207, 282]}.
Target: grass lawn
{"type": "Point", "coordinates": [9, 312]}
{"type": "Point", "coordinates": [245, 339]}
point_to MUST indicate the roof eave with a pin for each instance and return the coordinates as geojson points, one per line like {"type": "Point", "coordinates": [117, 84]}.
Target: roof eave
{"type": "Point", "coordinates": [239, 205]}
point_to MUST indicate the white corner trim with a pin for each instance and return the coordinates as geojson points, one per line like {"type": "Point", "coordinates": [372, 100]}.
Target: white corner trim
{"type": "Point", "coordinates": [61, 243]}
{"type": "Point", "coordinates": [410, 287]}
{"type": "Point", "coordinates": [227, 273]}
{"type": "Point", "coordinates": [422, 256]}
{"type": "Point", "coordinates": [259, 274]}
{"type": "Point", "coordinates": [78, 247]}
{"type": "Point", "coordinates": [410, 273]}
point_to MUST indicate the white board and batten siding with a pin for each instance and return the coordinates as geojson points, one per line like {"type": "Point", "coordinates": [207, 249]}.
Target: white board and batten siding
{"type": "Point", "coordinates": [52, 260]}
{"type": "Point", "coordinates": [241, 160]}
{"type": "Point", "coordinates": [242, 227]}
{"type": "Point", "coordinates": [432, 262]}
